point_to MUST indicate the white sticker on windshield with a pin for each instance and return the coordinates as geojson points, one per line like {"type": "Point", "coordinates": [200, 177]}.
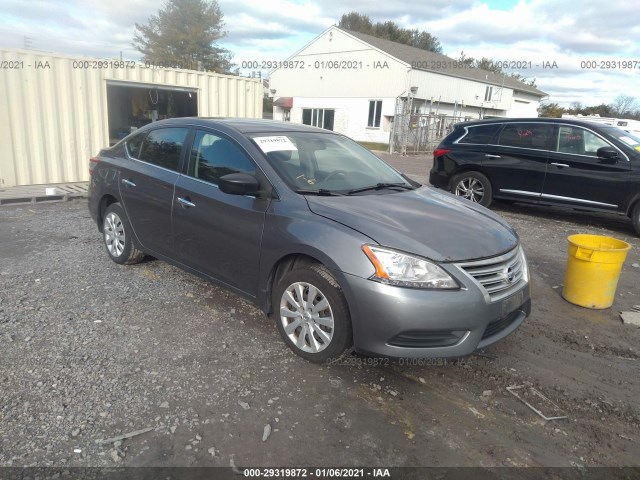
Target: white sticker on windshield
{"type": "Point", "coordinates": [629, 141]}
{"type": "Point", "coordinates": [274, 144]}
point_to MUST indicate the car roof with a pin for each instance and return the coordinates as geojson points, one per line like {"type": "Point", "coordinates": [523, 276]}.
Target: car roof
{"type": "Point", "coordinates": [240, 125]}
{"type": "Point", "coordinates": [570, 121]}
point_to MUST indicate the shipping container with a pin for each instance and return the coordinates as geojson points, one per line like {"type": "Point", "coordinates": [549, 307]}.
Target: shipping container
{"type": "Point", "coordinates": [57, 111]}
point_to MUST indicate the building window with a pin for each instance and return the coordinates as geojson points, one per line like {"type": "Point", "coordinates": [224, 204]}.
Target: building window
{"type": "Point", "coordinates": [487, 94]}
{"type": "Point", "coordinates": [318, 117]}
{"type": "Point", "coordinates": [375, 110]}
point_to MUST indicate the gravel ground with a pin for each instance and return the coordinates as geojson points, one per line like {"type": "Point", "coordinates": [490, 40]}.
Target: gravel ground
{"type": "Point", "coordinates": [90, 350]}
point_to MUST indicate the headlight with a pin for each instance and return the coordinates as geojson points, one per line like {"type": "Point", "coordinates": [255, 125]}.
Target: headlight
{"type": "Point", "coordinates": [402, 270]}
{"type": "Point", "coordinates": [525, 266]}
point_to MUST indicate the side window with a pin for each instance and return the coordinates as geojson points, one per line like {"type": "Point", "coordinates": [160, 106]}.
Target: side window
{"type": "Point", "coordinates": [480, 134]}
{"type": "Point", "coordinates": [527, 135]}
{"type": "Point", "coordinates": [162, 147]}
{"type": "Point", "coordinates": [375, 111]}
{"type": "Point", "coordinates": [134, 144]}
{"type": "Point", "coordinates": [579, 141]}
{"type": "Point", "coordinates": [213, 157]}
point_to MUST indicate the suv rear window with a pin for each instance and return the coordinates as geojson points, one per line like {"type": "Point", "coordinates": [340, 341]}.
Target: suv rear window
{"type": "Point", "coordinates": [527, 135]}
{"type": "Point", "coordinates": [480, 134]}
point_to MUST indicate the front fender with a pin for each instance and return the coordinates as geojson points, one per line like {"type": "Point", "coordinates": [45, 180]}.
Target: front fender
{"type": "Point", "coordinates": [336, 246]}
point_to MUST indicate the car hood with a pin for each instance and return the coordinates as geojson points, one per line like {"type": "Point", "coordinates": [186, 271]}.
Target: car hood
{"type": "Point", "coordinates": [427, 222]}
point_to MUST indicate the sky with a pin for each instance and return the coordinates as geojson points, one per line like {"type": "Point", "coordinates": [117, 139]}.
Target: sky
{"type": "Point", "coordinates": [576, 35]}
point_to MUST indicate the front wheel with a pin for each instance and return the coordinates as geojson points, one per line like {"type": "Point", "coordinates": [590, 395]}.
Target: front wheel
{"type": "Point", "coordinates": [312, 313]}
{"type": "Point", "coordinates": [473, 186]}
{"type": "Point", "coordinates": [117, 234]}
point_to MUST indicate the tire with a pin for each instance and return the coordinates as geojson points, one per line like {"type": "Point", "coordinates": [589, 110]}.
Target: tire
{"type": "Point", "coordinates": [117, 235]}
{"type": "Point", "coordinates": [314, 341]}
{"type": "Point", "coordinates": [473, 186]}
{"type": "Point", "coordinates": [635, 217]}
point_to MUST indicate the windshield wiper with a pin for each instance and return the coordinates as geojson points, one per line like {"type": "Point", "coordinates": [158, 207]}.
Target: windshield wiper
{"type": "Point", "coordinates": [321, 192]}
{"type": "Point", "coordinates": [381, 185]}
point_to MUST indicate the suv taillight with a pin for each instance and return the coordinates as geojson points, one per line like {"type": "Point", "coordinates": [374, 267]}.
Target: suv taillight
{"type": "Point", "coordinates": [440, 151]}
{"type": "Point", "coordinates": [92, 164]}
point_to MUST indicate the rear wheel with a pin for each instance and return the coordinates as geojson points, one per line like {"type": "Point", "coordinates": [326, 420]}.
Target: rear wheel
{"type": "Point", "coordinates": [473, 186]}
{"type": "Point", "coordinates": [117, 234]}
{"type": "Point", "coordinates": [635, 217]}
{"type": "Point", "coordinates": [312, 313]}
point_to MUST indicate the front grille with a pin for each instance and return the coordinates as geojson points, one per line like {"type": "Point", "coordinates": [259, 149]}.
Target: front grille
{"type": "Point", "coordinates": [501, 324]}
{"type": "Point", "coordinates": [498, 276]}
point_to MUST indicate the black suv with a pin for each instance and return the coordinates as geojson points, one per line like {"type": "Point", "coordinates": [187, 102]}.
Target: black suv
{"type": "Point", "coordinates": [549, 161]}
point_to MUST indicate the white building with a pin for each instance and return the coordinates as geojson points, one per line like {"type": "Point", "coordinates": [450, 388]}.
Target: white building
{"type": "Point", "coordinates": [57, 111]}
{"type": "Point", "coordinates": [350, 82]}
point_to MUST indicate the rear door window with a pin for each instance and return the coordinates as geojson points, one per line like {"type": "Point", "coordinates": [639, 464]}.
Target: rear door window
{"type": "Point", "coordinates": [163, 147]}
{"type": "Point", "coordinates": [480, 134]}
{"type": "Point", "coordinates": [527, 135]}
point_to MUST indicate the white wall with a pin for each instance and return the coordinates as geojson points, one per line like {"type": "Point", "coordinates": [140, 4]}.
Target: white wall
{"type": "Point", "coordinates": [523, 105]}
{"type": "Point", "coordinates": [369, 79]}
{"type": "Point", "coordinates": [449, 89]}
{"type": "Point", "coordinates": [350, 117]}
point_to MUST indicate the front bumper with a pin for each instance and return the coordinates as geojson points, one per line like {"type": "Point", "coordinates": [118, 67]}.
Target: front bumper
{"type": "Point", "coordinates": [398, 322]}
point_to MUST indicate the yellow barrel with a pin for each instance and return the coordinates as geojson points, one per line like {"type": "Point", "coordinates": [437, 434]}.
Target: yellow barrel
{"type": "Point", "coordinates": [593, 269]}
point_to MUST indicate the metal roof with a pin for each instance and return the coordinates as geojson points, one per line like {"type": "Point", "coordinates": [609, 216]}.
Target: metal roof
{"type": "Point", "coordinates": [417, 56]}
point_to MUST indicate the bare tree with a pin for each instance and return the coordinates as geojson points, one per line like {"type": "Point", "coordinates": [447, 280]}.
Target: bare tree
{"type": "Point", "coordinates": [624, 105]}
{"type": "Point", "coordinates": [577, 106]}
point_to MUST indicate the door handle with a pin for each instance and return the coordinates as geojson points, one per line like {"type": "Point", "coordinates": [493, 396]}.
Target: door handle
{"type": "Point", "coordinates": [128, 183]}
{"type": "Point", "coordinates": [185, 202]}
{"type": "Point", "coordinates": [561, 165]}
{"type": "Point", "coordinates": [492, 156]}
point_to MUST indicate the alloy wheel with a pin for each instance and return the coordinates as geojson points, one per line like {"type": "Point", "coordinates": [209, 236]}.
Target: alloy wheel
{"type": "Point", "coordinates": [114, 234]}
{"type": "Point", "coordinates": [306, 317]}
{"type": "Point", "coordinates": [471, 189]}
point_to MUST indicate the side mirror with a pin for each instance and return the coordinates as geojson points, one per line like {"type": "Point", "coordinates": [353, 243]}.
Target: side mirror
{"type": "Point", "coordinates": [239, 184]}
{"type": "Point", "coordinates": [608, 154]}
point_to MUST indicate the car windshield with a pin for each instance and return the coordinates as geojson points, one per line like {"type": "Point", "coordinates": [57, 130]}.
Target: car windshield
{"type": "Point", "coordinates": [311, 162]}
{"type": "Point", "coordinates": [629, 138]}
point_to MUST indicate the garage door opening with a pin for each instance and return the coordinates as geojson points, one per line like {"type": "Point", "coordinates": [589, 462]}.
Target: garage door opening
{"type": "Point", "coordinates": [131, 107]}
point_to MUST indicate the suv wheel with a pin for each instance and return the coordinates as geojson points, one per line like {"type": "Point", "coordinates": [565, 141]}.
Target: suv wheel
{"type": "Point", "coordinates": [312, 314]}
{"type": "Point", "coordinates": [473, 186]}
{"type": "Point", "coordinates": [117, 235]}
{"type": "Point", "coordinates": [635, 217]}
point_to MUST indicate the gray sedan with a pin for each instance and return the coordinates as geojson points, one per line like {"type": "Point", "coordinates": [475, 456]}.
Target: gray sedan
{"type": "Point", "coordinates": [336, 246]}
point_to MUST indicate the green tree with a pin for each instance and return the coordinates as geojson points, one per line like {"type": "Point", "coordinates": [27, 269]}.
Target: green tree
{"type": "Point", "coordinates": [551, 110]}
{"type": "Point", "coordinates": [390, 31]}
{"type": "Point", "coordinates": [184, 33]}
{"type": "Point", "coordinates": [356, 22]}
{"type": "Point", "coordinates": [603, 110]}
{"type": "Point", "coordinates": [489, 65]}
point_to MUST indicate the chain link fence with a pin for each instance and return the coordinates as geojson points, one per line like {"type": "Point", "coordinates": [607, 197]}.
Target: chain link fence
{"type": "Point", "coordinates": [419, 132]}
